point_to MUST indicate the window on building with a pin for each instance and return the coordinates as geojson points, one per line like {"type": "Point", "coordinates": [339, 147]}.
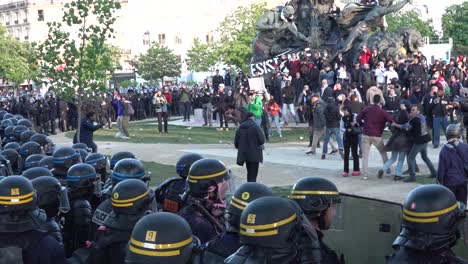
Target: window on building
{"type": "Point", "coordinates": [209, 38]}
{"type": "Point", "coordinates": [40, 15]}
{"type": "Point", "coordinates": [9, 18]}
{"type": "Point", "coordinates": [178, 40]}
{"type": "Point", "coordinates": [179, 58]}
{"type": "Point", "coordinates": [146, 42]}
{"type": "Point", "coordinates": [16, 17]}
{"type": "Point", "coordinates": [162, 39]}
{"type": "Point", "coordinates": [25, 17]}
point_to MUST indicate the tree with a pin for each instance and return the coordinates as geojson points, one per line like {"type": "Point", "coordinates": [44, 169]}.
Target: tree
{"type": "Point", "coordinates": [78, 67]}
{"type": "Point", "coordinates": [236, 33]}
{"type": "Point", "coordinates": [201, 56]}
{"type": "Point", "coordinates": [409, 19]}
{"type": "Point", "coordinates": [159, 61]}
{"type": "Point", "coordinates": [17, 59]}
{"type": "Point", "coordinates": [455, 25]}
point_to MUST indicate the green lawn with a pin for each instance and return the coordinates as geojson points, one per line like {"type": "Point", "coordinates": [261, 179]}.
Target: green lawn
{"type": "Point", "coordinates": [146, 132]}
{"type": "Point", "coordinates": [159, 172]}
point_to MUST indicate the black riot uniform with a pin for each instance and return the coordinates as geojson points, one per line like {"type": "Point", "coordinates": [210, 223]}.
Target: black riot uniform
{"type": "Point", "coordinates": [205, 207]}
{"type": "Point", "coordinates": [431, 216]}
{"type": "Point", "coordinates": [270, 229]}
{"type": "Point", "coordinates": [131, 200]}
{"type": "Point", "coordinates": [228, 243]}
{"type": "Point", "coordinates": [52, 198]}
{"type": "Point", "coordinates": [315, 195]}
{"type": "Point", "coordinates": [168, 194]}
{"type": "Point", "coordinates": [81, 188]}
{"type": "Point", "coordinates": [161, 228]}
{"type": "Point", "coordinates": [124, 169]}
{"type": "Point", "coordinates": [21, 241]}
{"type": "Point", "coordinates": [63, 158]}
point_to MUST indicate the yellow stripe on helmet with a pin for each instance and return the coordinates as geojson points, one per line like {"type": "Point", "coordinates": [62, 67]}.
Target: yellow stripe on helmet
{"type": "Point", "coordinates": [429, 214]}
{"type": "Point", "coordinates": [154, 253]}
{"type": "Point", "coordinates": [207, 176]}
{"type": "Point", "coordinates": [272, 225]}
{"type": "Point", "coordinates": [259, 234]}
{"type": "Point", "coordinates": [161, 246]}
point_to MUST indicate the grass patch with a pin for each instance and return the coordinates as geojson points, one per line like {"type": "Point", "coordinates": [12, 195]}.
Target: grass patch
{"type": "Point", "coordinates": [146, 132]}
{"type": "Point", "coordinates": [159, 172]}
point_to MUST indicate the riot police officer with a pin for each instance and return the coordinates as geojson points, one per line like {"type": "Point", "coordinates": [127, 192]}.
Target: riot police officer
{"type": "Point", "coordinates": [45, 142]}
{"type": "Point", "coordinates": [431, 216]}
{"type": "Point", "coordinates": [208, 184]}
{"type": "Point", "coordinates": [52, 198]}
{"type": "Point", "coordinates": [26, 136]}
{"type": "Point", "coordinates": [26, 150]}
{"type": "Point", "coordinates": [37, 172]}
{"type": "Point", "coordinates": [131, 200]}
{"type": "Point", "coordinates": [168, 193]}
{"type": "Point", "coordinates": [81, 188]}
{"type": "Point", "coordinates": [119, 156]}
{"type": "Point", "coordinates": [32, 161]}
{"type": "Point", "coordinates": [317, 198]}
{"type": "Point", "coordinates": [20, 238]}
{"type": "Point", "coordinates": [63, 158]}
{"type": "Point", "coordinates": [13, 157]}
{"type": "Point", "coordinates": [124, 169]}
{"type": "Point", "coordinates": [227, 243]}
{"type": "Point", "coordinates": [161, 228]}
{"type": "Point", "coordinates": [101, 164]}
{"type": "Point", "coordinates": [269, 232]}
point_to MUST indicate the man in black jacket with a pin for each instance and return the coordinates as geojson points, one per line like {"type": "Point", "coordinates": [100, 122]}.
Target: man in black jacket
{"type": "Point", "coordinates": [249, 142]}
{"type": "Point", "coordinates": [217, 80]}
{"type": "Point", "coordinates": [440, 106]}
{"type": "Point", "coordinates": [88, 126]}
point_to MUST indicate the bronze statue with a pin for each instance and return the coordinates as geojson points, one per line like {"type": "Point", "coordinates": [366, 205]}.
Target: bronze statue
{"type": "Point", "coordinates": [276, 31]}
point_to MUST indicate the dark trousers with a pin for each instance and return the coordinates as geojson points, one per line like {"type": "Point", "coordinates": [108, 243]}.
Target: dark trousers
{"type": "Point", "coordinates": [460, 192]}
{"type": "Point", "coordinates": [187, 111]}
{"type": "Point", "coordinates": [252, 171]}
{"type": "Point", "coordinates": [52, 126]}
{"type": "Point", "coordinates": [415, 149]}
{"type": "Point", "coordinates": [222, 117]}
{"type": "Point", "coordinates": [162, 116]}
{"type": "Point", "coordinates": [353, 146]}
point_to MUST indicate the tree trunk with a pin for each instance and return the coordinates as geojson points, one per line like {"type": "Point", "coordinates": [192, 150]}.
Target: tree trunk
{"type": "Point", "coordinates": [78, 126]}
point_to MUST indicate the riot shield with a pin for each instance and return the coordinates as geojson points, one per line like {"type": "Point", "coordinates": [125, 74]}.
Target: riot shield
{"type": "Point", "coordinates": [461, 248]}
{"type": "Point", "coordinates": [364, 229]}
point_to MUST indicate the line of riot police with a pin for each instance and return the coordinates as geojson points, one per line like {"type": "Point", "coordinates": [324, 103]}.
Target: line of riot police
{"type": "Point", "coordinates": [66, 205]}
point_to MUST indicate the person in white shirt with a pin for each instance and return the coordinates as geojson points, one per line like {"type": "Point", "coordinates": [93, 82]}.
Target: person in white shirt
{"type": "Point", "coordinates": [380, 74]}
{"type": "Point", "coordinates": [391, 74]}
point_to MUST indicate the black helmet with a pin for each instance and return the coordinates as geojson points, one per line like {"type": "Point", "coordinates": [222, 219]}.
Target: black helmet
{"type": "Point", "coordinates": [29, 148]}
{"type": "Point", "coordinates": [314, 195]}
{"type": "Point", "coordinates": [244, 194]}
{"type": "Point", "coordinates": [18, 130]}
{"type": "Point", "coordinates": [268, 222]}
{"type": "Point", "coordinates": [26, 136]}
{"type": "Point", "coordinates": [98, 161]}
{"type": "Point", "coordinates": [6, 123]}
{"type": "Point", "coordinates": [119, 156]}
{"type": "Point", "coordinates": [78, 146]}
{"type": "Point", "coordinates": [45, 143]}
{"type": "Point", "coordinates": [12, 145]}
{"type": "Point", "coordinates": [18, 201]}
{"type": "Point", "coordinates": [11, 155]}
{"type": "Point", "coordinates": [83, 154]}
{"type": "Point", "coordinates": [9, 131]}
{"type": "Point", "coordinates": [52, 195]}
{"type": "Point", "coordinates": [39, 138]}
{"type": "Point", "coordinates": [33, 161]}
{"type": "Point", "coordinates": [8, 116]}
{"type": "Point", "coordinates": [453, 131]}
{"type": "Point", "coordinates": [163, 238]}
{"type": "Point", "coordinates": [81, 176]}
{"type": "Point", "coordinates": [25, 122]}
{"type": "Point", "coordinates": [129, 169]}
{"type": "Point", "coordinates": [184, 163]}
{"type": "Point", "coordinates": [18, 117]}
{"type": "Point", "coordinates": [33, 173]}
{"type": "Point", "coordinates": [14, 121]}
{"type": "Point", "coordinates": [432, 209]}
{"type": "Point", "coordinates": [204, 174]}
{"type": "Point", "coordinates": [65, 157]}
{"type": "Point", "coordinates": [47, 162]}
{"type": "Point", "coordinates": [131, 197]}
{"type": "Point", "coordinates": [2, 113]}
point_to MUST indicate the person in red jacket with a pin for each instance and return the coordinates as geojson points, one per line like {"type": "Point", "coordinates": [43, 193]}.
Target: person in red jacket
{"type": "Point", "coordinates": [273, 111]}
{"type": "Point", "coordinates": [168, 96]}
{"type": "Point", "coordinates": [364, 56]}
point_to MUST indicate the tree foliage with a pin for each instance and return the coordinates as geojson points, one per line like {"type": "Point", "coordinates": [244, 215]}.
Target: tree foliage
{"type": "Point", "coordinates": [18, 60]}
{"type": "Point", "coordinates": [201, 56]}
{"type": "Point", "coordinates": [236, 33]}
{"type": "Point", "coordinates": [409, 19]}
{"type": "Point", "coordinates": [78, 67]}
{"type": "Point", "coordinates": [159, 61]}
{"type": "Point", "coordinates": [455, 25]}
